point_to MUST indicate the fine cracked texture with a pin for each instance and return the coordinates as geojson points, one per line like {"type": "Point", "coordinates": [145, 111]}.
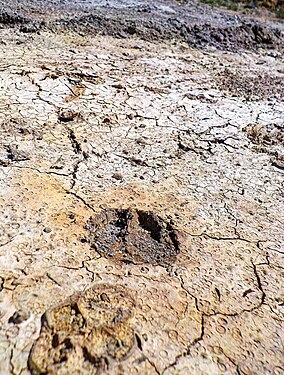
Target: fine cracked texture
{"type": "Point", "coordinates": [141, 207]}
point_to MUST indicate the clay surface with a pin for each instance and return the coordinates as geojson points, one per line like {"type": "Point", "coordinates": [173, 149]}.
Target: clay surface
{"type": "Point", "coordinates": [141, 197]}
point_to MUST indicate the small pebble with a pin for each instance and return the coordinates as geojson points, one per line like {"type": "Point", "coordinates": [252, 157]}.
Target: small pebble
{"type": "Point", "coordinates": [117, 176]}
{"type": "Point", "coordinates": [47, 230]}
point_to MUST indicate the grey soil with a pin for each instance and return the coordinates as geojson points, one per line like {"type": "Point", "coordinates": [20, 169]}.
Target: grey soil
{"type": "Point", "coordinates": [197, 24]}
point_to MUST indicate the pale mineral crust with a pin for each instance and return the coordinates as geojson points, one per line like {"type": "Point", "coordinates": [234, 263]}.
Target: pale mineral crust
{"type": "Point", "coordinates": [141, 205]}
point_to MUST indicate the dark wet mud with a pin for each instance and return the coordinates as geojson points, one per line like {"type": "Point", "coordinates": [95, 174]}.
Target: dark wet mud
{"type": "Point", "coordinates": [133, 236]}
{"type": "Point", "coordinates": [197, 24]}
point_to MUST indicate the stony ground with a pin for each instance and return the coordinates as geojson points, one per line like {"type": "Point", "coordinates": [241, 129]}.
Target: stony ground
{"type": "Point", "coordinates": [142, 206]}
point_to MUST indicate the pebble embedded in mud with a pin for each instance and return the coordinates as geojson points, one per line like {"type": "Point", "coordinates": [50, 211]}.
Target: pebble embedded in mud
{"type": "Point", "coordinates": [47, 230]}
{"type": "Point", "coordinates": [67, 115]}
{"type": "Point", "coordinates": [118, 176]}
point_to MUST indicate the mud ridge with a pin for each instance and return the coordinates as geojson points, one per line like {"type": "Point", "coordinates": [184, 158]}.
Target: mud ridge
{"type": "Point", "coordinates": [197, 24]}
{"type": "Point", "coordinates": [245, 34]}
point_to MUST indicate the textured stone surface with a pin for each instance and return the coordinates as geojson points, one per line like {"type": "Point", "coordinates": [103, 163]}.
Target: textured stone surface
{"type": "Point", "coordinates": [90, 125]}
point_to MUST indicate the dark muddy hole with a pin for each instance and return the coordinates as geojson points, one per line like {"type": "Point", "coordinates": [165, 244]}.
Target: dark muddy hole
{"type": "Point", "coordinates": [133, 236]}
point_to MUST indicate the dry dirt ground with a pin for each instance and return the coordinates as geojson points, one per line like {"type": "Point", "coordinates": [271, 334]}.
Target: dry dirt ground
{"type": "Point", "coordinates": [142, 207]}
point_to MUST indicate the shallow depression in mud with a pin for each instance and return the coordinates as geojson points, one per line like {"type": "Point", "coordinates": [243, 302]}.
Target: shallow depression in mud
{"type": "Point", "coordinates": [82, 335]}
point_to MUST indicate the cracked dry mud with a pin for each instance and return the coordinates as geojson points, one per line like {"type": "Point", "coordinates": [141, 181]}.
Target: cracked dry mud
{"type": "Point", "coordinates": [141, 207]}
